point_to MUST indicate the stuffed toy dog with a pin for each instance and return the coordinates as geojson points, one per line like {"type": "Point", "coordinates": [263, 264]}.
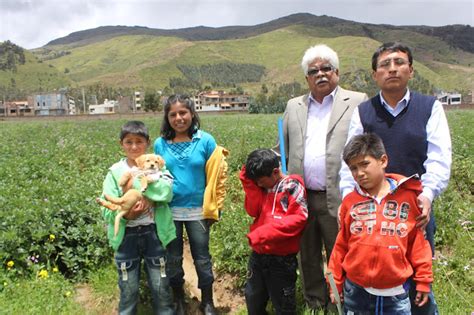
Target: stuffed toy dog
{"type": "Point", "coordinates": [148, 170]}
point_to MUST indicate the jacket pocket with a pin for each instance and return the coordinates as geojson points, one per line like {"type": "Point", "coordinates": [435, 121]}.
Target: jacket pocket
{"type": "Point", "coordinates": [126, 269]}
{"type": "Point", "coordinates": [379, 265]}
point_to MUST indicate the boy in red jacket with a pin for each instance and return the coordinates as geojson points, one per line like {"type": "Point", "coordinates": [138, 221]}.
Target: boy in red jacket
{"type": "Point", "coordinates": [278, 205]}
{"type": "Point", "coordinates": [378, 246]}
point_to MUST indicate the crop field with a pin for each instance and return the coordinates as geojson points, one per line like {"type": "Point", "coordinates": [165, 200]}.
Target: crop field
{"type": "Point", "coordinates": [52, 235]}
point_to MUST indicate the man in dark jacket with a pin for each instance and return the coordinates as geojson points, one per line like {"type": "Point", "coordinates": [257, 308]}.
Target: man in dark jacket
{"type": "Point", "coordinates": [415, 133]}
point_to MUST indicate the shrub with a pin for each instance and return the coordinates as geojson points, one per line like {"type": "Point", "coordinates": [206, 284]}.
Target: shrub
{"type": "Point", "coordinates": [50, 177]}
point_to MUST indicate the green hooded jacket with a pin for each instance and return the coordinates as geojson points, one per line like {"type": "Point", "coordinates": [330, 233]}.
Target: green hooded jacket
{"type": "Point", "coordinates": [160, 191]}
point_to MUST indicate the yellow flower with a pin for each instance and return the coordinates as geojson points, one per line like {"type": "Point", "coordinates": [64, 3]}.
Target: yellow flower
{"type": "Point", "coordinates": [10, 264]}
{"type": "Point", "coordinates": [43, 274]}
{"type": "Point", "coordinates": [52, 237]}
{"type": "Point", "coordinates": [55, 269]}
{"type": "Point", "coordinates": [5, 284]}
{"type": "Point", "coordinates": [68, 293]}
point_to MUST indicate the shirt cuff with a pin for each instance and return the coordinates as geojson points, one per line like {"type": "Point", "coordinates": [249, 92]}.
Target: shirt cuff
{"type": "Point", "coordinates": [423, 287]}
{"type": "Point", "coordinates": [346, 192]}
{"type": "Point", "coordinates": [428, 193]}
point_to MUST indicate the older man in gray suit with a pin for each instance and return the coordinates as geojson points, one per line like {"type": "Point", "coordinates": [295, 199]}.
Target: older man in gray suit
{"type": "Point", "coordinates": [315, 129]}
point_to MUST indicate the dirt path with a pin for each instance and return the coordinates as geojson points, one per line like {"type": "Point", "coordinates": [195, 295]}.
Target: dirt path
{"type": "Point", "coordinates": [92, 304]}
{"type": "Point", "coordinates": [226, 299]}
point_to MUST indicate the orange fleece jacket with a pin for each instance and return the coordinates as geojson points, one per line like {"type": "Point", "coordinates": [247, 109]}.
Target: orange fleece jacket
{"type": "Point", "coordinates": [378, 245]}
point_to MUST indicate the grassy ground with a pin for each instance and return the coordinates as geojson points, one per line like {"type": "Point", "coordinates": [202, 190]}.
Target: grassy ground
{"type": "Point", "coordinates": [453, 268]}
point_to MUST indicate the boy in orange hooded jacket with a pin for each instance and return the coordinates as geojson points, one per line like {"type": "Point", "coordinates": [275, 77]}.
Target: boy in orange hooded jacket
{"type": "Point", "coordinates": [378, 247]}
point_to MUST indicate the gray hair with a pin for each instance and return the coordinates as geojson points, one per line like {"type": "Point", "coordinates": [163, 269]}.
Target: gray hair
{"type": "Point", "coordinates": [319, 52]}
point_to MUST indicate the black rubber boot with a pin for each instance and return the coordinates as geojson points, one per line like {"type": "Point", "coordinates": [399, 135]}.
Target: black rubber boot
{"type": "Point", "coordinates": [179, 301]}
{"type": "Point", "coordinates": [207, 302]}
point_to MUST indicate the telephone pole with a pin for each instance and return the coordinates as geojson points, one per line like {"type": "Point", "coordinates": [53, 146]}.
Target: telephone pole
{"type": "Point", "coordinates": [83, 102]}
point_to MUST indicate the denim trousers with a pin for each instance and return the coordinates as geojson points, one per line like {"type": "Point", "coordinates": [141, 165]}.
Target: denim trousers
{"type": "Point", "coordinates": [431, 230]}
{"type": "Point", "coordinates": [358, 301]}
{"type": "Point", "coordinates": [431, 307]}
{"type": "Point", "coordinates": [198, 235]}
{"type": "Point", "coordinates": [139, 243]}
{"type": "Point", "coordinates": [271, 277]}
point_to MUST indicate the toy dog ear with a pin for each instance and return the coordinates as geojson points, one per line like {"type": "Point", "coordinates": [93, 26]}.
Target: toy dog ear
{"type": "Point", "coordinates": [161, 161]}
{"type": "Point", "coordinates": [140, 160]}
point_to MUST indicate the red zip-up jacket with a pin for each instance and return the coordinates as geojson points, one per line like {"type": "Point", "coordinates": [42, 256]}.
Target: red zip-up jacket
{"type": "Point", "coordinates": [279, 214]}
{"type": "Point", "coordinates": [378, 244]}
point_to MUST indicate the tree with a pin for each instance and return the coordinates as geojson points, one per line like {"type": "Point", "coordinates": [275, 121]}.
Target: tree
{"type": "Point", "coordinates": [238, 90]}
{"type": "Point", "coordinates": [167, 91]}
{"type": "Point", "coordinates": [151, 101]}
{"type": "Point", "coordinates": [258, 104]}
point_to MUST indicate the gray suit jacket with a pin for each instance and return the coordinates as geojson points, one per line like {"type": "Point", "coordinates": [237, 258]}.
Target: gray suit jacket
{"type": "Point", "coordinates": [294, 127]}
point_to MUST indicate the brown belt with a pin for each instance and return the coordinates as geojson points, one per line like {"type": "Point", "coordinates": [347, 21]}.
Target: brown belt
{"type": "Point", "coordinates": [316, 191]}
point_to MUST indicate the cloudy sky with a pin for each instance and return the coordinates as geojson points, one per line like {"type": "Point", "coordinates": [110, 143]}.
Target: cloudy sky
{"type": "Point", "coordinates": [33, 23]}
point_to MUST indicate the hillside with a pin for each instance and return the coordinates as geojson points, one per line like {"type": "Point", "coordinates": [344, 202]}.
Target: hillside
{"type": "Point", "coordinates": [199, 33]}
{"type": "Point", "coordinates": [459, 36]}
{"type": "Point", "coordinates": [21, 73]}
{"type": "Point", "coordinates": [151, 61]}
{"type": "Point", "coordinates": [268, 53]}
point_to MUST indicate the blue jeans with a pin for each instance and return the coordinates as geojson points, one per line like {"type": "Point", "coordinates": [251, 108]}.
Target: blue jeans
{"type": "Point", "coordinates": [431, 230]}
{"type": "Point", "coordinates": [273, 277]}
{"type": "Point", "coordinates": [361, 302]}
{"type": "Point", "coordinates": [430, 308]}
{"type": "Point", "coordinates": [198, 235]}
{"type": "Point", "coordinates": [142, 242]}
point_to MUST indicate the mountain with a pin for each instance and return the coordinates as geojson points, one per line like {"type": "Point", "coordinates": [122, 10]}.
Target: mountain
{"type": "Point", "coordinates": [459, 36]}
{"type": "Point", "coordinates": [249, 56]}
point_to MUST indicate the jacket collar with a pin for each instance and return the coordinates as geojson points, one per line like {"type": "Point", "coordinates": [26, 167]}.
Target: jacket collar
{"type": "Point", "coordinates": [339, 107]}
{"type": "Point", "coordinates": [396, 181]}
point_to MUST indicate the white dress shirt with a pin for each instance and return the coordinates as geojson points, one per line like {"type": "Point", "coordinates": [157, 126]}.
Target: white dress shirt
{"type": "Point", "coordinates": [314, 163]}
{"type": "Point", "coordinates": [438, 161]}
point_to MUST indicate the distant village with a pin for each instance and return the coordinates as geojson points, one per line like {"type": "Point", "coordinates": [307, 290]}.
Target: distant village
{"type": "Point", "coordinates": [60, 104]}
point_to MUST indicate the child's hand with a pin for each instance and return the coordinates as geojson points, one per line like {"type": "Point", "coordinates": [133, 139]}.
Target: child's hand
{"type": "Point", "coordinates": [140, 207]}
{"type": "Point", "coordinates": [421, 298]}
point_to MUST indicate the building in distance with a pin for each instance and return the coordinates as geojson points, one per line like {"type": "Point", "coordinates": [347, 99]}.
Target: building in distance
{"type": "Point", "coordinates": [220, 101]}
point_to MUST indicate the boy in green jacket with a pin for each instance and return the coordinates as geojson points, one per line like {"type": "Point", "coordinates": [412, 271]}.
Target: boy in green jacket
{"type": "Point", "coordinates": [145, 231]}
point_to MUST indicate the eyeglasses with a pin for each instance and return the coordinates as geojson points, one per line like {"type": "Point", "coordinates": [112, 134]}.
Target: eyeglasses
{"type": "Point", "coordinates": [387, 62]}
{"type": "Point", "coordinates": [323, 69]}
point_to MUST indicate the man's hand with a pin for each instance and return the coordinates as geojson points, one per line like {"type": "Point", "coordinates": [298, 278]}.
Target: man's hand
{"type": "Point", "coordinates": [425, 206]}
{"type": "Point", "coordinates": [333, 298]}
{"type": "Point", "coordinates": [421, 298]}
{"type": "Point", "coordinates": [140, 207]}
